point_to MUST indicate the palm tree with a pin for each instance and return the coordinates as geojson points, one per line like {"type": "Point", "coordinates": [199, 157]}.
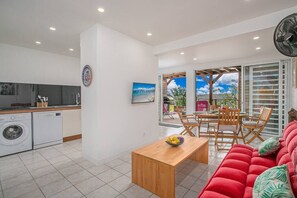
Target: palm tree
{"type": "Point", "coordinates": [179, 95]}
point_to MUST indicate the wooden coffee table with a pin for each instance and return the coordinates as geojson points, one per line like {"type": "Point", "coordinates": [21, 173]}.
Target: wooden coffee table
{"type": "Point", "coordinates": [153, 166]}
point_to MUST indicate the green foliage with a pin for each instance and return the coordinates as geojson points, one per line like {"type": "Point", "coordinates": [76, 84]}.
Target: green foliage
{"type": "Point", "coordinates": [229, 99]}
{"type": "Point", "coordinates": [179, 95]}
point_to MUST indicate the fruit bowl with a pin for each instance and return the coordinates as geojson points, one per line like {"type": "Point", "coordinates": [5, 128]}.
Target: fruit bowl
{"type": "Point", "coordinates": [175, 141]}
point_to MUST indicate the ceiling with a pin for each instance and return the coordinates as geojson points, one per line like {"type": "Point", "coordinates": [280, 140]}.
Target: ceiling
{"type": "Point", "coordinates": [24, 22]}
{"type": "Point", "coordinates": [242, 46]}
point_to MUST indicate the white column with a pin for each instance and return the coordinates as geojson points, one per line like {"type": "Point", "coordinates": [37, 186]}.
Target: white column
{"type": "Point", "coordinates": [111, 125]}
{"type": "Point", "coordinates": [191, 91]}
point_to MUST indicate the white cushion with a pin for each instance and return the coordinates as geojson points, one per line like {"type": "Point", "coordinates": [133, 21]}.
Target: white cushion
{"type": "Point", "coordinates": [227, 128]}
{"type": "Point", "coordinates": [252, 123]}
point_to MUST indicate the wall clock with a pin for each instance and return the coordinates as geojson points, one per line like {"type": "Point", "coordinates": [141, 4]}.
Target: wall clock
{"type": "Point", "coordinates": [86, 75]}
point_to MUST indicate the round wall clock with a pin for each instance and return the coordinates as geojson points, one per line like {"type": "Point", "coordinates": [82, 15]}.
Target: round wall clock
{"type": "Point", "coordinates": [86, 75]}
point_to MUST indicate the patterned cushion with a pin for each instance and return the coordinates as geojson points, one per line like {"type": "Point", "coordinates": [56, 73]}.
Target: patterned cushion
{"type": "Point", "coordinates": [273, 182]}
{"type": "Point", "coordinates": [269, 146]}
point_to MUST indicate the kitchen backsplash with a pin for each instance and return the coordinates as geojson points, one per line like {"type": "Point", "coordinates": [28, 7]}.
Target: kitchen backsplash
{"type": "Point", "coordinates": [21, 94]}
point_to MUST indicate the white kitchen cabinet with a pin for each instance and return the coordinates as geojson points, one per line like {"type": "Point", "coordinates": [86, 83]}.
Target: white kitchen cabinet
{"type": "Point", "coordinates": [71, 122]}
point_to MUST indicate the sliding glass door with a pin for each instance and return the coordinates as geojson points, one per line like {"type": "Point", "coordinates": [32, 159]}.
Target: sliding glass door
{"type": "Point", "coordinates": [267, 85]}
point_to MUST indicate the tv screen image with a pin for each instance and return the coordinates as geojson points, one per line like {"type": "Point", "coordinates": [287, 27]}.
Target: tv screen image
{"type": "Point", "coordinates": [143, 92]}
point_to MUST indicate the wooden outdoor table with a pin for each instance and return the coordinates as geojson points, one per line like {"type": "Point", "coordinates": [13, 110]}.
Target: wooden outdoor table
{"type": "Point", "coordinates": [209, 117]}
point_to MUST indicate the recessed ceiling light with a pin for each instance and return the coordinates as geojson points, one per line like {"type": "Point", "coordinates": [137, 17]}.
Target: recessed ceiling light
{"type": "Point", "coordinates": [182, 53]}
{"type": "Point", "coordinates": [194, 59]}
{"type": "Point", "coordinates": [52, 28]}
{"type": "Point", "coordinates": [71, 49]}
{"type": "Point", "coordinates": [149, 34]}
{"type": "Point", "coordinates": [101, 10]}
{"type": "Point", "coordinates": [38, 42]}
{"type": "Point", "coordinates": [256, 37]}
{"type": "Point", "coordinates": [258, 48]}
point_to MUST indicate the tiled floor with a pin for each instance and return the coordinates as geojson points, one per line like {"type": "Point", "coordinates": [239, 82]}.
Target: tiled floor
{"type": "Point", "coordinates": [60, 172]}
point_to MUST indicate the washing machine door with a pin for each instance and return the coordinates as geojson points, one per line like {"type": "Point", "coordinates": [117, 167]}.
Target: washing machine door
{"type": "Point", "coordinates": [13, 133]}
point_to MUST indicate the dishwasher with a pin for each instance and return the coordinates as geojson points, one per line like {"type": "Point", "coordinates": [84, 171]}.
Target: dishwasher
{"type": "Point", "coordinates": [47, 128]}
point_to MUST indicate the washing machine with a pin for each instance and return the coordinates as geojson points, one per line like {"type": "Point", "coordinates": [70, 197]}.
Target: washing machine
{"type": "Point", "coordinates": [15, 133]}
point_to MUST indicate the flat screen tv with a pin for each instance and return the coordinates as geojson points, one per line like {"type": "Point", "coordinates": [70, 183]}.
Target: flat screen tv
{"type": "Point", "coordinates": [143, 92]}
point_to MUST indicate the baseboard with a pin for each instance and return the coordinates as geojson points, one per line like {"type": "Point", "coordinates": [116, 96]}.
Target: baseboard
{"type": "Point", "coordinates": [73, 137]}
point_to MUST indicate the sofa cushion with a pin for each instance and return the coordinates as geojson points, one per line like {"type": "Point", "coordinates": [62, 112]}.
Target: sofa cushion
{"type": "Point", "coordinates": [227, 187]}
{"type": "Point", "coordinates": [232, 173]}
{"type": "Point", "coordinates": [273, 182]}
{"type": "Point", "coordinates": [269, 146]}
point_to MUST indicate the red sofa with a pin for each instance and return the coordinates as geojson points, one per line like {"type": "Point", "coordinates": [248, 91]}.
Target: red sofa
{"type": "Point", "coordinates": [238, 171]}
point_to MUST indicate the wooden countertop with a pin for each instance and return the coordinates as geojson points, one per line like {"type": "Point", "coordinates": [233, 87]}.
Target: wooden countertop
{"type": "Point", "coordinates": [39, 109]}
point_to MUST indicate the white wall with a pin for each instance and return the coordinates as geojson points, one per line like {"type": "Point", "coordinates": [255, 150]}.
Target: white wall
{"type": "Point", "coordinates": [23, 65]}
{"type": "Point", "coordinates": [294, 84]}
{"type": "Point", "coordinates": [110, 123]}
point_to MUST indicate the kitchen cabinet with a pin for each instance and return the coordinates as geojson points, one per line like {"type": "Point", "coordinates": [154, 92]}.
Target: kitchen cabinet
{"type": "Point", "coordinates": [71, 122]}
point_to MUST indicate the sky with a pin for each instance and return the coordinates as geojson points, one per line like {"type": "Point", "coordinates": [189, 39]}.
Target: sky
{"type": "Point", "coordinates": [137, 86]}
{"type": "Point", "coordinates": [223, 85]}
{"type": "Point", "coordinates": [177, 82]}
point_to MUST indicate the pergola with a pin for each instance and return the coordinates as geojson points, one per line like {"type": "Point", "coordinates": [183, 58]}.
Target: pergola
{"type": "Point", "coordinates": [211, 76]}
{"type": "Point", "coordinates": [167, 78]}
{"type": "Point", "coordinates": [211, 80]}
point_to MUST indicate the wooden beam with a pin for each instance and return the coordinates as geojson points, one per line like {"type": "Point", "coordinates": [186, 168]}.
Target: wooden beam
{"type": "Point", "coordinates": [217, 78]}
{"type": "Point", "coordinates": [169, 81]}
{"type": "Point", "coordinates": [234, 68]}
{"type": "Point", "coordinates": [204, 78]}
{"type": "Point", "coordinates": [210, 88]}
{"type": "Point", "coordinates": [217, 71]}
{"type": "Point", "coordinates": [208, 72]}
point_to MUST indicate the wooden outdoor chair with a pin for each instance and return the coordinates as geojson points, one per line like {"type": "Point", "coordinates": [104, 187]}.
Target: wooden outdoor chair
{"type": "Point", "coordinates": [255, 125]}
{"type": "Point", "coordinates": [188, 122]}
{"type": "Point", "coordinates": [228, 122]}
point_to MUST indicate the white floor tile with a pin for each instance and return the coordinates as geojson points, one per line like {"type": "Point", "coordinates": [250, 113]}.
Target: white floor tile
{"type": "Point", "coordinates": [114, 163]}
{"type": "Point", "coordinates": [21, 189]}
{"type": "Point", "coordinates": [180, 191]}
{"type": "Point", "coordinates": [71, 170]}
{"type": "Point", "coordinates": [33, 194]}
{"type": "Point", "coordinates": [55, 187]}
{"type": "Point", "coordinates": [50, 178]}
{"type": "Point", "coordinates": [105, 191]}
{"type": "Point", "coordinates": [71, 192]}
{"type": "Point", "coordinates": [60, 158]}
{"type": "Point", "coordinates": [198, 185]}
{"type": "Point", "coordinates": [188, 181]}
{"type": "Point", "coordinates": [124, 168]}
{"type": "Point", "coordinates": [95, 170]}
{"type": "Point", "coordinates": [64, 164]}
{"type": "Point", "coordinates": [12, 182]}
{"type": "Point", "coordinates": [43, 171]}
{"type": "Point", "coordinates": [137, 192]}
{"type": "Point", "coordinates": [191, 194]}
{"type": "Point", "coordinates": [37, 165]}
{"type": "Point", "coordinates": [121, 184]}
{"type": "Point", "coordinates": [89, 185]}
{"type": "Point", "coordinates": [79, 177]}
{"type": "Point", "coordinates": [121, 196]}
{"type": "Point", "coordinates": [13, 173]}
{"type": "Point", "coordinates": [109, 175]}
{"type": "Point", "coordinates": [86, 164]}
